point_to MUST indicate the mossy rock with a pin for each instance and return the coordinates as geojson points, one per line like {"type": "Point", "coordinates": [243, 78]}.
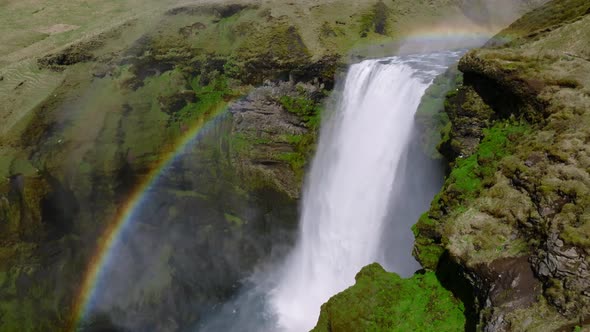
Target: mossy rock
{"type": "Point", "coordinates": [431, 116]}
{"type": "Point", "coordinates": [383, 301]}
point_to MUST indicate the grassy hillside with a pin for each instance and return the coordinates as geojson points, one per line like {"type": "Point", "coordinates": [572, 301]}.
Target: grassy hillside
{"type": "Point", "coordinates": [31, 29]}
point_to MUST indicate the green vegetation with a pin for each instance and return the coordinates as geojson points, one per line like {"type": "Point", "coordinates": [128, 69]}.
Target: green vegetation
{"type": "Point", "coordinates": [382, 301]}
{"type": "Point", "coordinates": [544, 19]}
{"type": "Point", "coordinates": [426, 250]}
{"type": "Point", "coordinates": [304, 145]}
{"type": "Point", "coordinates": [305, 108]}
{"type": "Point", "coordinates": [469, 175]}
{"type": "Point", "coordinates": [301, 145]}
{"type": "Point", "coordinates": [129, 89]}
{"type": "Point", "coordinates": [209, 98]}
{"type": "Point", "coordinates": [430, 114]}
{"type": "Point", "coordinates": [516, 196]}
{"type": "Point", "coordinates": [376, 20]}
{"type": "Point", "coordinates": [234, 220]}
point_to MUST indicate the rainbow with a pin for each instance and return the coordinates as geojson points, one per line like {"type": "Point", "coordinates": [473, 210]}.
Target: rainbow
{"type": "Point", "coordinates": [125, 214]}
{"type": "Point", "coordinates": [445, 36]}
{"type": "Point", "coordinates": [457, 30]}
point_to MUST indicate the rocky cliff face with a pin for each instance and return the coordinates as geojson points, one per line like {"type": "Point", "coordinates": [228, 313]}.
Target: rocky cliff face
{"type": "Point", "coordinates": [512, 216]}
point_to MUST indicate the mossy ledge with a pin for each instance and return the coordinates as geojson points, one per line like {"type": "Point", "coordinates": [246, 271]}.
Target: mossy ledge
{"type": "Point", "coordinates": [383, 301]}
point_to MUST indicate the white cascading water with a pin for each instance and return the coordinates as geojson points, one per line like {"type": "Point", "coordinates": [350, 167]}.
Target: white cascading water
{"type": "Point", "coordinates": [349, 190]}
{"type": "Point", "coordinates": [359, 176]}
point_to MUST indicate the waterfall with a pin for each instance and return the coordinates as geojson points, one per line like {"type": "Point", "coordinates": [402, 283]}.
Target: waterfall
{"type": "Point", "coordinates": [349, 191]}
{"type": "Point", "coordinates": [367, 186]}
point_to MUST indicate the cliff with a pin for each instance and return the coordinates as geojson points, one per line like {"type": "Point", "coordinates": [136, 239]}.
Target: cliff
{"type": "Point", "coordinates": [512, 216]}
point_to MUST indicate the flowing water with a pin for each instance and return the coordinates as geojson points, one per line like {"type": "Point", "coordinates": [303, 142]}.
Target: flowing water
{"type": "Point", "coordinates": [367, 186]}
{"type": "Point", "coordinates": [351, 184]}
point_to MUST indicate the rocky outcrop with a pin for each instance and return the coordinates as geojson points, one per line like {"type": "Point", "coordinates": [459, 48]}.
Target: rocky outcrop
{"type": "Point", "coordinates": [513, 210]}
{"type": "Point", "coordinates": [380, 300]}
{"type": "Point", "coordinates": [271, 141]}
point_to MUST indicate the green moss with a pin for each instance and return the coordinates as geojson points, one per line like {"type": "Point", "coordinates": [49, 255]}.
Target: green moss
{"type": "Point", "coordinates": [382, 301]}
{"type": "Point", "coordinates": [468, 177]}
{"type": "Point", "coordinates": [296, 160]}
{"type": "Point", "coordinates": [308, 110]}
{"type": "Point", "coordinates": [580, 235]}
{"type": "Point", "coordinates": [430, 115]}
{"type": "Point", "coordinates": [470, 174]}
{"type": "Point", "coordinates": [210, 97]}
{"type": "Point", "coordinates": [234, 220]}
{"type": "Point", "coordinates": [426, 251]}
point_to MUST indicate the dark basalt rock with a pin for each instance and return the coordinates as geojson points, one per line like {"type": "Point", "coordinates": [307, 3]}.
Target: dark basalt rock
{"type": "Point", "coordinates": [503, 90]}
{"type": "Point", "coordinates": [59, 208]}
{"type": "Point", "coordinates": [68, 57]}
{"type": "Point", "coordinates": [469, 116]}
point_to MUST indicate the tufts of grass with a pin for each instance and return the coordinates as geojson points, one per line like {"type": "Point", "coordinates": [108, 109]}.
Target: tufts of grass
{"type": "Point", "coordinates": [543, 20]}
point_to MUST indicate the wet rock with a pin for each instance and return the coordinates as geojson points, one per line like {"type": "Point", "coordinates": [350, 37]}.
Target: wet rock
{"type": "Point", "coordinates": [263, 130]}
{"type": "Point", "coordinates": [469, 116]}
{"type": "Point", "coordinates": [512, 286]}
{"type": "Point", "coordinates": [567, 270]}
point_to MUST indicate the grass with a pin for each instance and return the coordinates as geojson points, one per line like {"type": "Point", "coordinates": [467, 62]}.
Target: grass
{"type": "Point", "coordinates": [544, 19]}
{"type": "Point", "coordinates": [375, 20]}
